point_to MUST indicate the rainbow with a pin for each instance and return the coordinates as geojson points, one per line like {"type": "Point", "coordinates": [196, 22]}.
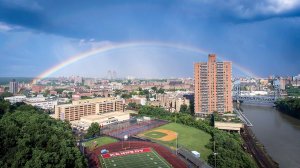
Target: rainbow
{"type": "Point", "coordinates": [117, 46]}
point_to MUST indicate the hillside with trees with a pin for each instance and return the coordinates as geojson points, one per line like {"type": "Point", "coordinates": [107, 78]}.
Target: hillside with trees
{"type": "Point", "coordinates": [30, 138]}
{"type": "Point", "coordinates": [290, 106]}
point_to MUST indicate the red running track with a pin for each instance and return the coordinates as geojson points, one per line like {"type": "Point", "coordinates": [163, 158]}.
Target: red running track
{"type": "Point", "coordinates": [118, 146]}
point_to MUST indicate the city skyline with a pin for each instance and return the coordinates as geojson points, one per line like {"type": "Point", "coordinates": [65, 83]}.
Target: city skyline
{"type": "Point", "coordinates": [257, 36]}
{"type": "Point", "coordinates": [150, 83]}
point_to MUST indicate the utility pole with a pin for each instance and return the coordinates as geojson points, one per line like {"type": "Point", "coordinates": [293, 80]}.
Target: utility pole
{"type": "Point", "coordinates": [215, 154]}
{"type": "Point", "coordinates": [176, 143]}
{"type": "Point", "coordinates": [82, 144]}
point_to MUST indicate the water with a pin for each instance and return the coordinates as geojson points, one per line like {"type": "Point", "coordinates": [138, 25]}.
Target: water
{"type": "Point", "coordinates": [6, 80]}
{"type": "Point", "coordinates": [278, 132]}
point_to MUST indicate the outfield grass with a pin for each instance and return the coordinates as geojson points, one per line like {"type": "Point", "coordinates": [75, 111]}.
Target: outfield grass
{"type": "Point", "coordinates": [99, 141]}
{"type": "Point", "coordinates": [188, 137]}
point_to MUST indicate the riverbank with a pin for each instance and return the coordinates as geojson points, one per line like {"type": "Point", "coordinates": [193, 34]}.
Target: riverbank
{"type": "Point", "coordinates": [278, 133]}
{"type": "Point", "coordinates": [289, 106]}
{"type": "Point", "coordinates": [252, 146]}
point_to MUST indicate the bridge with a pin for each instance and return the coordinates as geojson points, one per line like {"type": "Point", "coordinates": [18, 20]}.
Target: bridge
{"type": "Point", "coordinates": [263, 100]}
{"type": "Point", "coordinates": [254, 99]}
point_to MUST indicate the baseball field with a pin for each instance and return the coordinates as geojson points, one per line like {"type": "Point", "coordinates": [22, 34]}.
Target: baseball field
{"type": "Point", "coordinates": [188, 137]}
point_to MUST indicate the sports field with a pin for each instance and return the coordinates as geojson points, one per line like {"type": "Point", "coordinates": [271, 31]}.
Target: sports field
{"type": "Point", "coordinates": [188, 137]}
{"type": "Point", "coordinates": [135, 158]}
{"type": "Point", "coordinates": [99, 142]}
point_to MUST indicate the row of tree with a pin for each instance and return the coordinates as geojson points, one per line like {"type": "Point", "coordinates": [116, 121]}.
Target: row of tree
{"type": "Point", "coordinates": [290, 106]}
{"type": "Point", "coordinates": [30, 138]}
{"type": "Point", "coordinates": [227, 145]}
{"type": "Point", "coordinates": [187, 109]}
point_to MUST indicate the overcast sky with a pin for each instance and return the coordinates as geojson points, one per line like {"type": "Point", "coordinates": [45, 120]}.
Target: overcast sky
{"type": "Point", "coordinates": [262, 36]}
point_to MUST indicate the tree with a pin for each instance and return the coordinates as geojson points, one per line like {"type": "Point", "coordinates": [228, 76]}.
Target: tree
{"type": "Point", "coordinates": [126, 96]}
{"type": "Point", "coordinates": [85, 97]}
{"type": "Point", "coordinates": [132, 105]}
{"type": "Point", "coordinates": [212, 120]}
{"type": "Point", "coordinates": [154, 88]}
{"type": "Point", "coordinates": [183, 108]}
{"type": "Point", "coordinates": [4, 107]}
{"type": "Point", "coordinates": [161, 90]}
{"type": "Point", "coordinates": [6, 94]}
{"type": "Point", "coordinates": [30, 138]}
{"type": "Point", "coordinates": [59, 91]}
{"type": "Point", "coordinates": [93, 130]}
{"type": "Point", "coordinates": [46, 93]}
{"type": "Point", "coordinates": [192, 107]}
{"type": "Point", "coordinates": [118, 92]}
{"type": "Point", "coordinates": [146, 92]}
{"type": "Point", "coordinates": [290, 106]}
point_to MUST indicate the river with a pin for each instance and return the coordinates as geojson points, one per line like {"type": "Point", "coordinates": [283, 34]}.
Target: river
{"type": "Point", "coordinates": [278, 132]}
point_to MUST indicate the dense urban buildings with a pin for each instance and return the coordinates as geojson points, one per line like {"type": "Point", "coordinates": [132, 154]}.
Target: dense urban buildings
{"type": "Point", "coordinates": [170, 101]}
{"type": "Point", "coordinates": [212, 86]}
{"type": "Point", "coordinates": [39, 101]}
{"type": "Point", "coordinates": [80, 108]}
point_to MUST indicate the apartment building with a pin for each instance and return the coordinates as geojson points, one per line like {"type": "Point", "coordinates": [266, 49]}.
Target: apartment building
{"type": "Point", "coordinates": [171, 102]}
{"type": "Point", "coordinates": [42, 102]}
{"type": "Point", "coordinates": [213, 86]}
{"type": "Point", "coordinates": [13, 86]}
{"type": "Point", "coordinates": [15, 99]}
{"type": "Point", "coordinates": [79, 108]}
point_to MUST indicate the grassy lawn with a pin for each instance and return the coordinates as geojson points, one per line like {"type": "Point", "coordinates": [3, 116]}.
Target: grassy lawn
{"type": "Point", "coordinates": [188, 137]}
{"type": "Point", "coordinates": [99, 141]}
{"type": "Point", "coordinates": [154, 134]}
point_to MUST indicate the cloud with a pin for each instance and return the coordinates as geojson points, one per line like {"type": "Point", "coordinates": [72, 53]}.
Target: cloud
{"type": "Point", "coordinates": [278, 6]}
{"type": "Point", "coordinates": [52, 31]}
{"type": "Point", "coordinates": [118, 20]}
{"type": "Point", "coordinates": [262, 9]}
{"type": "Point", "coordinates": [246, 10]}
{"type": "Point", "coordinates": [92, 43]}
{"type": "Point", "coordinates": [27, 4]}
{"type": "Point", "coordinates": [5, 27]}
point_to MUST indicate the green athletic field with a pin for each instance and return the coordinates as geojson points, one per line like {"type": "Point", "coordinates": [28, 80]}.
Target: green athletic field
{"type": "Point", "coordinates": [188, 137]}
{"type": "Point", "coordinates": [144, 160]}
{"type": "Point", "coordinates": [99, 142]}
{"type": "Point", "coordinates": [154, 134]}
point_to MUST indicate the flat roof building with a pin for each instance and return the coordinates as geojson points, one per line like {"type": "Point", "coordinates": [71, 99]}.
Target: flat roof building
{"type": "Point", "coordinates": [80, 108]}
{"type": "Point", "coordinates": [41, 102]}
{"type": "Point", "coordinates": [15, 99]}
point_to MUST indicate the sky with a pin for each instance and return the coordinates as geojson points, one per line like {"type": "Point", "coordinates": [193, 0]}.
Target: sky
{"type": "Point", "coordinates": [261, 36]}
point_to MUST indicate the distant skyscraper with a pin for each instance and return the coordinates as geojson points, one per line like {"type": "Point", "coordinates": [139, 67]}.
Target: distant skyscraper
{"type": "Point", "coordinates": [13, 86]}
{"type": "Point", "coordinates": [212, 86]}
{"type": "Point", "coordinates": [114, 75]}
{"type": "Point", "coordinates": [78, 80]}
{"type": "Point", "coordinates": [109, 74]}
